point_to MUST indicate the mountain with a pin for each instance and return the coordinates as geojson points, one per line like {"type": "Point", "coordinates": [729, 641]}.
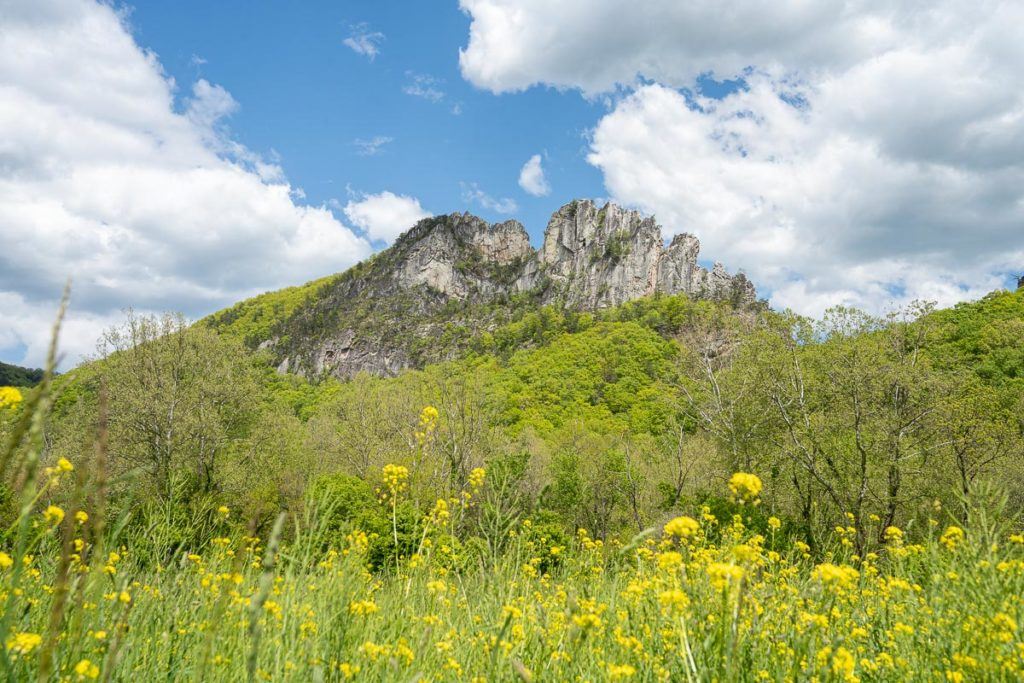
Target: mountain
{"type": "Point", "coordinates": [451, 278]}
{"type": "Point", "coordinates": [15, 376]}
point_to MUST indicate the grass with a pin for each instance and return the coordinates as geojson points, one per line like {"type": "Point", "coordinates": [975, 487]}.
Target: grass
{"type": "Point", "coordinates": [706, 600]}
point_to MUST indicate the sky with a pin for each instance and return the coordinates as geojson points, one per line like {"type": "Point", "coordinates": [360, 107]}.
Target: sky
{"type": "Point", "coordinates": [183, 156]}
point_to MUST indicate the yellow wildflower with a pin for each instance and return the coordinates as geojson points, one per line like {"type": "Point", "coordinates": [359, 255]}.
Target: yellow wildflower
{"type": "Point", "coordinates": [619, 671]}
{"type": "Point", "coordinates": [23, 643]}
{"type": "Point", "coordinates": [10, 397]}
{"type": "Point", "coordinates": [682, 527]}
{"type": "Point", "coordinates": [745, 487]}
{"type": "Point", "coordinates": [86, 669]}
{"type": "Point", "coordinates": [476, 477]}
{"type": "Point", "coordinates": [952, 537]}
{"type": "Point", "coordinates": [53, 515]}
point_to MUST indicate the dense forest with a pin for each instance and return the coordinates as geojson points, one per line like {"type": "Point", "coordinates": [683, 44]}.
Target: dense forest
{"type": "Point", "coordinates": [16, 376]}
{"type": "Point", "coordinates": [558, 444]}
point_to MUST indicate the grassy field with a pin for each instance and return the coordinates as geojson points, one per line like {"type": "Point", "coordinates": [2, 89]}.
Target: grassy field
{"type": "Point", "coordinates": [701, 599]}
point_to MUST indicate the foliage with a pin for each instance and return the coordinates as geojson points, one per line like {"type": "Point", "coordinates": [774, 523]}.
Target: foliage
{"type": "Point", "coordinates": [255, 320]}
{"type": "Point", "coordinates": [15, 376]}
{"type": "Point", "coordinates": [984, 336]}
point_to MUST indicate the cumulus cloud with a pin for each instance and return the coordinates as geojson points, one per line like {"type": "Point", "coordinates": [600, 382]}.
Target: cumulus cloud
{"type": "Point", "coordinates": [144, 203]}
{"type": "Point", "coordinates": [385, 215]}
{"type": "Point", "coordinates": [874, 154]}
{"type": "Point", "coordinates": [363, 41]}
{"type": "Point", "coordinates": [472, 194]}
{"type": "Point", "coordinates": [531, 178]}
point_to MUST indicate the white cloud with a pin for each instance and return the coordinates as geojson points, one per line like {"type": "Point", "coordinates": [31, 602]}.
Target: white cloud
{"type": "Point", "coordinates": [363, 41]}
{"type": "Point", "coordinates": [875, 155]}
{"type": "Point", "coordinates": [423, 85]}
{"type": "Point", "coordinates": [385, 216]}
{"type": "Point", "coordinates": [368, 148]}
{"type": "Point", "coordinates": [103, 180]}
{"type": "Point", "coordinates": [531, 178]}
{"type": "Point", "coordinates": [471, 193]}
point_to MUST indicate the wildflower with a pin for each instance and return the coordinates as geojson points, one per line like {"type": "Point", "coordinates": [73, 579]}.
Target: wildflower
{"type": "Point", "coordinates": [440, 513]}
{"type": "Point", "coordinates": [10, 397]}
{"type": "Point", "coordinates": [23, 643]}
{"type": "Point", "coordinates": [86, 669]}
{"type": "Point", "coordinates": [5, 561]}
{"type": "Point", "coordinates": [903, 629]}
{"type": "Point", "coordinates": [843, 664]}
{"type": "Point", "coordinates": [587, 621]}
{"type": "Point", "coordinates": [125, 597]}
{"type": "Point", "coordinates": [745, 487]}
{"type": "Point", "coordinates": [722, 574]}
{"type": "Point", "coordinates": [1005, 622]}
{"type": "Point", "coordinates": [746, 552]}
{"type": "Point", "coordinates": [893, 534]}
{"type": "Point", "coordinates": [64, 465]}
{"type": "Point", "coordinates": [670, 560]}
{"type": "Point", "coordinates": [839, 576]}
{"type": "Point", "coordinates": [673, 600]}
{"type": "Point", "coordinates": [348, 670]}
{"type": "Point", "coordinates": [81, 516]}
{"type": "Point", "coordinates": [620, 671]}
{"type": "Point", "coordinates": [952, 537]}
{"type": "Point", "coordinates": [476, 477]}
{"type": "Point", "coordinates": [53, 515]}
{"type": "Point", "coordinates": [774, 523]}
{"type": "Point", "coordinates": [224, 511]}
{"type": "Point", "coordinates": [395, 478]}
{"type": "Point", "coordinates": [362, 607]}
{"type": "Point", "coordinates": [682, 527]}
{"type": "Point", "coordinates": [427, 424]}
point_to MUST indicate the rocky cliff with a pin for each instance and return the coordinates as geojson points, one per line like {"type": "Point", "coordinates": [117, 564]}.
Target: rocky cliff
{"type": "Point", "coordinates": [595, 257]}
{"type": "Point", "coordinates": [451, 278]}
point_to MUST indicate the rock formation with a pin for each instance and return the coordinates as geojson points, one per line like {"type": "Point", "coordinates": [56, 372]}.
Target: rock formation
{"type": "Point", "coordinates": [446, 280]}
{"type": "Point", "coordinates": [598, 257]}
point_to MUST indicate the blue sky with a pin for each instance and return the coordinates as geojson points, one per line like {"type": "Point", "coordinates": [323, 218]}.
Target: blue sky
{"type": "Point", "coordinates": [181, 156]}
{"type": "Point", "coordinates": [308, 97]}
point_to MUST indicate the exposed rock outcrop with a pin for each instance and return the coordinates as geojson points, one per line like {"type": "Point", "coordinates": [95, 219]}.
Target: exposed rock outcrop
{"type": "Point", "coordinates": [597, 257]}
{"type": "Point", "coordinates": [449, 276]}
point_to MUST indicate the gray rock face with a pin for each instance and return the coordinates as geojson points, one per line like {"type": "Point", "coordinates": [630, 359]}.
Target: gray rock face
{"type": "Point", "coordinates": [442, 257]}
{"type": "Point", "coordinates": [596, 257]}
{"type": "Point", "coordinates": [452, 273]}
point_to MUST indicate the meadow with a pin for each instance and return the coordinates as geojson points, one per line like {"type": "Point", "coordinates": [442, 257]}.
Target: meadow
{"type": "Point", "coordinates": [700, 599]}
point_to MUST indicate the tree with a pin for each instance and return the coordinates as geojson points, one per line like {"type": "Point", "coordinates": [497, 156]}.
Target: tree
{"type": "Point", "coordinates": [179, 398]}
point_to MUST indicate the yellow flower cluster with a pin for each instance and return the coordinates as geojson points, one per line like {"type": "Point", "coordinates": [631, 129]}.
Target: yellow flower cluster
{"type": "Point", "coordinates": [682, 527]}
{"type": "Point", "coordinates": [745, 487]}
{"type": "Point", "coordinates": [395, 478]}
{"type": "Point", "coordinates": [427, 425]}
{"type": "Point", "coordinates": [10, 397]}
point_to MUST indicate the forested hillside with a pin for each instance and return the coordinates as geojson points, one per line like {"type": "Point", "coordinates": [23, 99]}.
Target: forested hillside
{"type": "Point", "coordinates": [15, 376]}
